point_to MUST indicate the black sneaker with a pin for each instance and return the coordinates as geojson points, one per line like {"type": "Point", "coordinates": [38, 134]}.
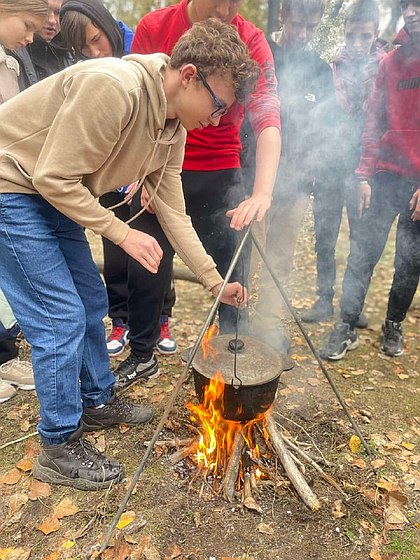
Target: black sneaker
{"type": "Point", "coordinates": [342, 338]}
{"type": "Point", "coordinates": [78, 464]}
{"type": "Point", "coordinates": [362, 321]}
{"type": "Point", "coordinates": [117, 411]}
{"type": "Point", "coordinates": [321, 310]}
{"type": "Point", "coordinates": [392, 338]}
{"type": "Point", "coordinates": [133, 368]}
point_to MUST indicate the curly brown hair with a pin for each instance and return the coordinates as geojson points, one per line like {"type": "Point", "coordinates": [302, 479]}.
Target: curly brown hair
{"type": "Point", "coordinates": [215, 48]}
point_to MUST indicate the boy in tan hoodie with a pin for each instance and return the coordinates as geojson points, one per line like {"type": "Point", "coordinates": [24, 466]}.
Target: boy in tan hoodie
{"type": "Point", "coordinates": [64, 142]}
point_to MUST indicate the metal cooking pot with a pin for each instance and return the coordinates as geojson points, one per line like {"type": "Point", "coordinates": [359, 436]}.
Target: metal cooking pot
{"type": "Point", "coordinates": [258, 370]}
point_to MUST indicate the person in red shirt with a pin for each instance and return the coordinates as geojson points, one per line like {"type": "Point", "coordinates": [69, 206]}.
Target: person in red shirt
{"type": "Point", "coordinates": [212, 182]}
{"type": "Point", "coordinates": [389, 175]}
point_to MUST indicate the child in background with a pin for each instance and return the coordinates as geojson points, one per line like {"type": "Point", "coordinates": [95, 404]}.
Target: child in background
{"type": "Point", "coordinates": [354, 72]}
{"type": "Point", "coordinates": [389, 187]}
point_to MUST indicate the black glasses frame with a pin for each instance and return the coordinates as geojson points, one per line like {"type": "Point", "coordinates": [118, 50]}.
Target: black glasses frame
{"type": "Point", "coordinates": [221, 109]}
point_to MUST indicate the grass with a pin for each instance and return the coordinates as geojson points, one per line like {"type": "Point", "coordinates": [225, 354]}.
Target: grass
{"type": "Point", "coordinates": [404, 544]}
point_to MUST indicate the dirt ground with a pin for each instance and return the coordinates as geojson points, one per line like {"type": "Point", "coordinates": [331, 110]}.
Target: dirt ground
{"type": "Point", "coordinates": [172, 517]}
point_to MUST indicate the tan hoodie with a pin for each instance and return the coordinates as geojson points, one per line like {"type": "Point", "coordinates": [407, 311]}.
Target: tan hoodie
{"type": "Point", "coordinates": [92, 128]}
{"type": "Point", "coordinates": [9, 71]}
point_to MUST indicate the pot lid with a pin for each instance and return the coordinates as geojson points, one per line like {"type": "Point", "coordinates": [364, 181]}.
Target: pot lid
{"type": "Point", "coordinates": [256, 362]}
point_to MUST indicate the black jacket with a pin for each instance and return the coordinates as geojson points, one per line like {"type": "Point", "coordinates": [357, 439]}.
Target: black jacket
{"type": "Point", "coordinates": [40, 60]}
{"type": "Point", "coordinates": [307, 107]}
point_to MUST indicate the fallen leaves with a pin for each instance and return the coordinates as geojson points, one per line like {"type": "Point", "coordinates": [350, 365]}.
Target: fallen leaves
{"type": "Point", "coordinates": [38, 489]}
{"type": "Point", "coordinates": [14, 553]}
{"type": "Point", "coordinates": [355, 444]}
{"type": "Point", "coordinates": [11, 477]}
{"type": "Point", "coordinates": [52, 523]}
{"type": "Point", "coordinates": [49, 525]}
{"type": "Point", "coordinates": [339, 510]}
{"type": "Point", "coordinates": [126, 518]}
{"type": "Point", "coordinates": [65, 508]}
{"type": "Point", "coordinates": [16, 501]}
{"type": "Point", "coordinates": [265, 529]}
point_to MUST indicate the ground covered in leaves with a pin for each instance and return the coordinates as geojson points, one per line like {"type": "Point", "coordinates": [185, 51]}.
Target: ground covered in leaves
{"type": "Point", "coordinates": [171, 516]}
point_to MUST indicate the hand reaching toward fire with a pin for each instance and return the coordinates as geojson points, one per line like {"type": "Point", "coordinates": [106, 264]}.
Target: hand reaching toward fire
{"type": "Point", "coordinates": [256, 205]}
{"type": "Point", "coordinates": [234, 294]}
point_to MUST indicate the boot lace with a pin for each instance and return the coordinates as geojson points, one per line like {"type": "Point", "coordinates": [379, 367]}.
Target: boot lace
{"type": "Point", "coordinates": [122, 407]}
{"type": "Point", "coordinates": [392, 331]}
{"type": "Point", "coordinates": [84, 452]}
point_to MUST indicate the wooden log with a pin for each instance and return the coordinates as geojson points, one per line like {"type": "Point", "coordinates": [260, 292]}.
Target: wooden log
{"type": "Point", "coordinates": [172, 442]}
{"type": "Point", "coordinates": [247, 497]}
{"type": "Point", "coordinates": [232, 469]}
{"type": "Point", "coordinates": [313, 464]}
{"type": "Point", "coordinates": [293, 473]}
{"type": "Point", "coordinates": [183, 453]}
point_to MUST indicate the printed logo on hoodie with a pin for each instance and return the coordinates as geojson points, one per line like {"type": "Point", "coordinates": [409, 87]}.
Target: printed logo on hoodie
{"type": "Point", "coordinates": [409, 83]}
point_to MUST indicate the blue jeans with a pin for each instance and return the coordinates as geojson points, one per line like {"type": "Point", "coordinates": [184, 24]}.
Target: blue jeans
{"type": "Point", "coordinates": [54, 288]}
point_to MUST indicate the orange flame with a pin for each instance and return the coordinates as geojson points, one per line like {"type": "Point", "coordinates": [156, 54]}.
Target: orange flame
{"type": "Point", "coordinates": [206, 345]}
{"type": "Point", "coordinates": [217, 433]}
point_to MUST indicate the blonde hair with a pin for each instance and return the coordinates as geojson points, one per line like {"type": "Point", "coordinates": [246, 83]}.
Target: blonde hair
{"type": "Point", "coordinates": [36, 7]}
{"type": "Point", "coordinates": [215, 48]}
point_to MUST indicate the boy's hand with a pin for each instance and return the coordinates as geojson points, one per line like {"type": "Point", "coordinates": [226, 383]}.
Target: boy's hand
{"type": "Point", "coordinates": [415, 205]}
{"type": "Point", "coordinates": [256, 205]}
{"type": "Point", "coordinates": [234, 294]}
{"type": "Point", "coordinates": [128, 192]}
{"type": "Point", "coordinates": [145, 197]}
{"type": "Point", "coordinates": [144, 249]}
{"type": "Point", "coordinates": [365, 192]}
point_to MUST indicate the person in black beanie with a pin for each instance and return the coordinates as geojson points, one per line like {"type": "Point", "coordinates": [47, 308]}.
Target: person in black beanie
{"type": "Point", "coordinates": [81, 19]}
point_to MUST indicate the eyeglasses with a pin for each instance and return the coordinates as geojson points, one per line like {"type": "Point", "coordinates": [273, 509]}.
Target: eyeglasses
{"type": "Point", "coordinates": [221, 109]}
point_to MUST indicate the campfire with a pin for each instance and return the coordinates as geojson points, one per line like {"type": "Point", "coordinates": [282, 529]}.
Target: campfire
{"type": "Point", "coordinates": [237, 451]}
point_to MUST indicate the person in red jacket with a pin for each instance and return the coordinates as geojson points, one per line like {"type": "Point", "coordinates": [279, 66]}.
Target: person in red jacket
{"type": "Point", "coordinates": [389, 175]}
{"type": "Point", "coordinates": [211, 177]}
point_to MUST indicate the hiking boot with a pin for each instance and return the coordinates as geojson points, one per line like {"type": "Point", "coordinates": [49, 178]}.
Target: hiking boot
{"type": "Point", "coordinates": [362, 322]}
{"type": "Point", "coordinates": [321, 310]}
{"type": "Point", "coordinates": [392, 338]}
{"type": "Point", "coordinates": [18, 373]}
{"type": "Point", "coordinates": [166, 343]}
{"type": "Point", "coordinates": [118, 338]}
{"type": "Point", "coordinates": [7, 391]}
{"type": "Point", "coordinates": [341, 339]}
{"type": "Point", "coordinates": [78, 464]}
{"type": "Point", "coordinates": [134, 368]}
{"type": "Point", "coordinates": [116, 411]}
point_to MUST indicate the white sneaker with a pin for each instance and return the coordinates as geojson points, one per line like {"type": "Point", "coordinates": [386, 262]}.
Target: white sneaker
{"type": "Point", "coordinates": [6, 391]}
{"type": "Point", "coordinates": [18, 373]}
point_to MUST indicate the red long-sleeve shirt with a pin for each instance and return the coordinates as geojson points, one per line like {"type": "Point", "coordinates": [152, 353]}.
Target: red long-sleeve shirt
{"type": "Point", "coordinates": [216, 148]}
{"type": "Point", "coordinates": [391, 138]}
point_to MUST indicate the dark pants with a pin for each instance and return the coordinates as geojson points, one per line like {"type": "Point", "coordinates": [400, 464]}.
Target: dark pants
{"type": "Point", "coordinates": [8, 348]}
{"type": "Point", "coordinates": [390, 198]}
{"type": "Point", "coordinates": [329, 201]}
{"type": "Point", "coordinates": [208, 196]}
{"type": "Point", "coordinates": [116, 268]}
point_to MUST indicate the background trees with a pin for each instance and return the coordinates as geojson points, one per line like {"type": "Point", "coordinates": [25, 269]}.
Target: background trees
{"type": "Point", "coordinates": [265, 15]}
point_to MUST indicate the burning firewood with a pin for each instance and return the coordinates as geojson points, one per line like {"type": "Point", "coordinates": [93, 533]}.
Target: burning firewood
{"type": "Point", "coordinates": [234, 454]}
{"type": "Point", "coordinates": [232, 470]}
